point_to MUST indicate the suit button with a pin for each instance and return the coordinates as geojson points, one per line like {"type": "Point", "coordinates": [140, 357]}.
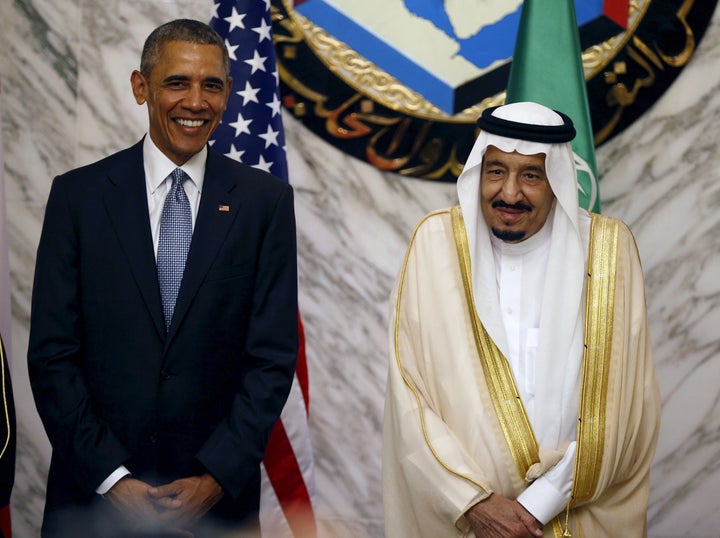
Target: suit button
{"type": "Point", "coordinates": [154, 438]}
{"type": "Point", "coordinates": [165, 375]}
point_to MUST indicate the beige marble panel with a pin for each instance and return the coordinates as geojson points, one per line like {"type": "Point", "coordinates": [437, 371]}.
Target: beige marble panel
{"type": "Point", "coordinates": [66, 101]}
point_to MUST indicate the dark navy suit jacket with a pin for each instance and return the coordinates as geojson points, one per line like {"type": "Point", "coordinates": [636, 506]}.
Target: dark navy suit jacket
{"type": "Point", "coordinates": [110, 385]}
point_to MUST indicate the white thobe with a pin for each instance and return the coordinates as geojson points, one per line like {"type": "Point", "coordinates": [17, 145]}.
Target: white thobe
{"type": "Point", "coordinates": [444, 446]}
{"type": "Point", "coordinates": [520, 273]}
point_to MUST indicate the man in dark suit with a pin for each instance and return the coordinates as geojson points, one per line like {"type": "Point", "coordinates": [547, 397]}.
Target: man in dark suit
{"type": "Point", "coordinates": [159, 403]}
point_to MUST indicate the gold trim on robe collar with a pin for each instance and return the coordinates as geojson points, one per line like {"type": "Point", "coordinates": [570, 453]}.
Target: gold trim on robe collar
{"type": "Point", "coordinates": [498, 374]}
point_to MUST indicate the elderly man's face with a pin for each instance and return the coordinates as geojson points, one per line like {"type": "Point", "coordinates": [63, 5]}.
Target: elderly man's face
{"type": "Point", "coordinates": [515, 195]}
{"type": "Point", "coordinates": [186, 94]}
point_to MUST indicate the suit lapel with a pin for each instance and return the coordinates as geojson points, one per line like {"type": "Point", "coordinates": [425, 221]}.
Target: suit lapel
{"type": "Point", "coordinates": [219, 206]}
{"type": "Point", "coordinates": [126, 202]}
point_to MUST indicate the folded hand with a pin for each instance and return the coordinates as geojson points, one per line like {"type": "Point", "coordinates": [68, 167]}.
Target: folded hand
{"type": "Point", "coordinates": [500, 517]}
{"type": "Point", "coordinates": [184, 501]}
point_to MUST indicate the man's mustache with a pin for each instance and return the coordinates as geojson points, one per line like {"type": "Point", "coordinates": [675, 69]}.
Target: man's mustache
{"type": "Point", "coordinates": [519, 205]}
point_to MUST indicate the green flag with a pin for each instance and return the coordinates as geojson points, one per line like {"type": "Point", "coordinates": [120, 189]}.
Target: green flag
{"type": "Point", "coordinates": [547, 69]}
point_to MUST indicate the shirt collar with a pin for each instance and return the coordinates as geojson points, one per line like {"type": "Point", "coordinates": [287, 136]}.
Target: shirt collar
{"type": "Point", "coordinates": [158, 167]}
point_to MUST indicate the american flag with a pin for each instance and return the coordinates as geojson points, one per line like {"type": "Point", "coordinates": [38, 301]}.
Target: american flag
{"type": "Point", "coordinates": [251, 132]}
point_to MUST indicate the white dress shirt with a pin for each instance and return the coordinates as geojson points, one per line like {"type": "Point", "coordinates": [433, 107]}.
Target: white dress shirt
{"type": "Point", "coordinates": [520, 272]}
{"type": "Point", "coordinates": [158, 182]}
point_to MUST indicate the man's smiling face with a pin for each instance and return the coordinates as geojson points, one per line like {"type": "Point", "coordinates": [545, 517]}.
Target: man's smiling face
{"type": "Point", "coordinates": [186, 94]}
{"type": "Point", "coordinates": [515, 194]}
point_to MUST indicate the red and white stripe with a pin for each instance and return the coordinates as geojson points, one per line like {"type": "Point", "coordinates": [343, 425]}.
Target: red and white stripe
{"type": "Point", "coordinates": [288, 484]}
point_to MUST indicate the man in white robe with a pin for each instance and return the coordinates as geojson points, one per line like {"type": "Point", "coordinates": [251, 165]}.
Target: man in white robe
{"type": "Point", "coordinates": [522, 399]}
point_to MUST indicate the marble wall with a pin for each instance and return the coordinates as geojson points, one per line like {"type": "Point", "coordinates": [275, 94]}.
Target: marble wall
{"type": "Point", "coordinates": [66, 100]}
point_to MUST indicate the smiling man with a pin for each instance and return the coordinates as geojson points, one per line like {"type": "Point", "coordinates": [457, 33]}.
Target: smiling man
{"type": "Point", "coordinates": [515, 192]}
{"type": "Point", "coordinates": [521, 396]}
{"type": "Point", "coordinates": [164, 322]}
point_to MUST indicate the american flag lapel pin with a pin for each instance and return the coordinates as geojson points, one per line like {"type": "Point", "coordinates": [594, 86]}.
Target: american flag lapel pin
{"type": "Point", "coordinates": [223, 208]}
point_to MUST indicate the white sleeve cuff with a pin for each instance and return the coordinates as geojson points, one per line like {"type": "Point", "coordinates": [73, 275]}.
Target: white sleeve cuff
{"type": "Point", "coordinates": [542, 500]}
{"type": "Point", "coordinates": [110, 481]}
{"type": "Point", "coordinates": [550, 494]}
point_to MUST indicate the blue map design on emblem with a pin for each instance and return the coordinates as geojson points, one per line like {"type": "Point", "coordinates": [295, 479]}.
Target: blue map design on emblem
{"type": "Point", "coordinates": [483, 52]}
{"type": "Point", "coordinates": [489, 44]}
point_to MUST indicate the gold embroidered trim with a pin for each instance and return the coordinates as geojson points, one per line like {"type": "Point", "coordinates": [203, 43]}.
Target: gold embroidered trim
{"type": "Point", "coordinates": [498, 375]}
{"type": "Point", "coordinates": [557, 526]}
{"type": "Point", "coordinates": [407, 381]}
{"type": "Point", "coordinates": [602, 262]}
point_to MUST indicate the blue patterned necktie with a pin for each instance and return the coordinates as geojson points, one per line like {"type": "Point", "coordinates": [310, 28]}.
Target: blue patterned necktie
{"type": "Point", "coordinates": [174, 242]}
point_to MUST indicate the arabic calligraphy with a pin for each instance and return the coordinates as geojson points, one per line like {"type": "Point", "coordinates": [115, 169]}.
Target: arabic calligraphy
{"type": "Point", "coordinates": [367, 113]}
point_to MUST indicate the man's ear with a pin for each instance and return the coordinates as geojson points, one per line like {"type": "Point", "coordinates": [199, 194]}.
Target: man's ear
{"type": "Point", "coordinates": [139, 86]}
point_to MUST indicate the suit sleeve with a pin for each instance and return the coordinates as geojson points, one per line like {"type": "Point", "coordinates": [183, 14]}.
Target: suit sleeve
{"type": "Point", "coordinates": [237, 446]}
{"type": "Point", "coordinates": [79, 439]}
